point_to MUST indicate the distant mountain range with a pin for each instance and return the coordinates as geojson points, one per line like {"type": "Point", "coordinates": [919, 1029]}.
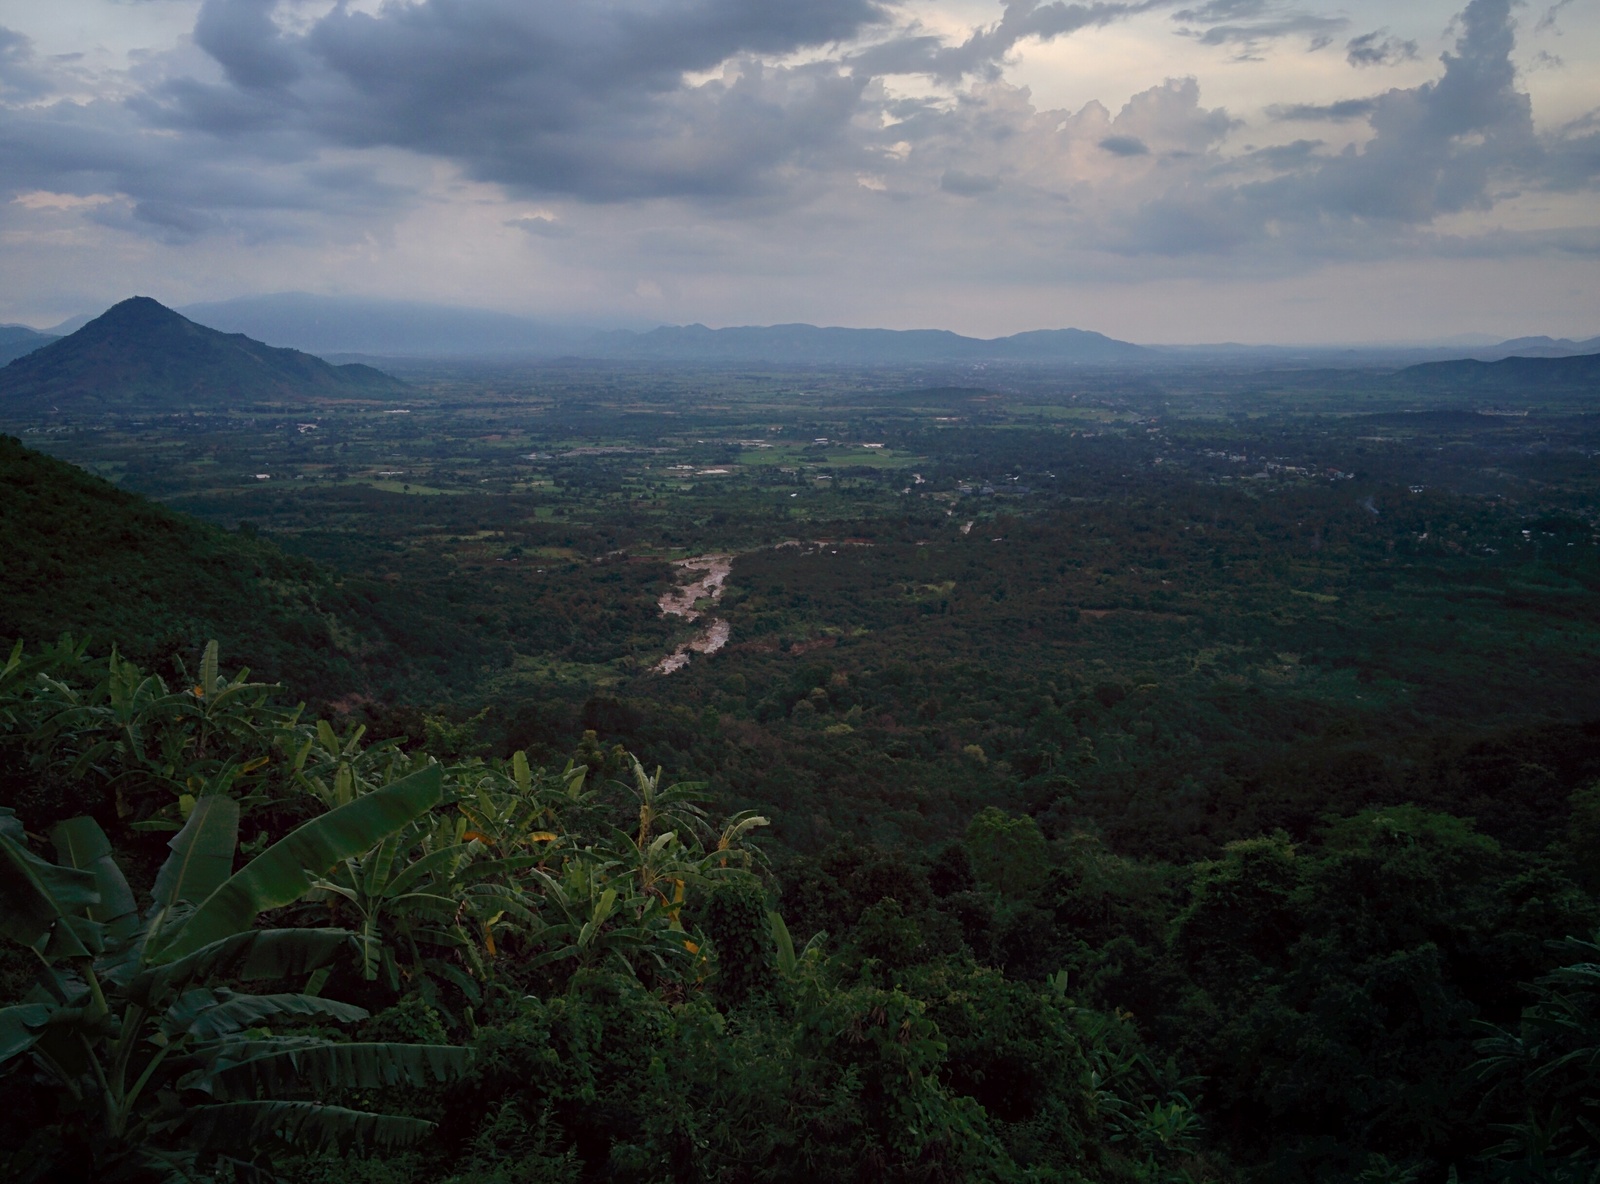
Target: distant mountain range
{"type": "Point", "coordinates": [141, 351]}
{"type": "Point", "coordinates": [385, 328]}
{"type": "Point", "coordinates": [355, 326]}
{"type": "Point", "coordinates": [810, 344]}
{"type": "Point", "coordinates": [16, 340]}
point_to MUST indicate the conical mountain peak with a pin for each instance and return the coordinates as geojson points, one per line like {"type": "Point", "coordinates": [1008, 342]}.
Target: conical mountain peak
{"type": "Point", "coordinates": [141, 354]}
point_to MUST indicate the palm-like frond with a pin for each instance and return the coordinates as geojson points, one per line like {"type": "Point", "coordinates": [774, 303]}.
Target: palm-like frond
{"type": "Point", "coordinates": [207, 1014]}
{"type": "Point", "coordinates": [247, 1067]}
{"type": "Point", "coordinates": [310, 1127]}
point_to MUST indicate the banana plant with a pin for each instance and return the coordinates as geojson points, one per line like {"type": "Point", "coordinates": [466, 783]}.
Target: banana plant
{"type": "Point", "coordinates": [154, 747]}
{"type": "Point", "coordinates": [337, 769]}
{"type": "Point", "coordinates": [516, 812]}
{"type": "Point", "coordinates": [163, 1069]}
{"type": "Point", "coordinates": [592, 923]}
{"type": "Point", "coordinates": [675, 807]}
{"type": "Point", "coordinates": [404, 893]}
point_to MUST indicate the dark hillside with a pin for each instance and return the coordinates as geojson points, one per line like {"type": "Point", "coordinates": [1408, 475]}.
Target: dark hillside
{"type": "Point", "coordinates": [79, 555]}
{"type": "Point", "coordinates": [1582, 371]}
{"type": "Point", "coordinates": [142, 353]}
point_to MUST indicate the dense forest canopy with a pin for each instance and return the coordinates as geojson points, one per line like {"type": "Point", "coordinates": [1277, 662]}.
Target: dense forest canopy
{"type": "Point", "coordinates": [1102, 776]}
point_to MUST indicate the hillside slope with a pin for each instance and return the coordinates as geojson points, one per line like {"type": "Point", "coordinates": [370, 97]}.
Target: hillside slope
{"type": "Point", "coordinates": [141, 353]}
{"type": "Point", "coordinates": [83, 557]}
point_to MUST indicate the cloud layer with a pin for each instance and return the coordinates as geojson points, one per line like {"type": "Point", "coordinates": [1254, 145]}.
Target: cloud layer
{"type": "Point", "coordinates": [842, 124]}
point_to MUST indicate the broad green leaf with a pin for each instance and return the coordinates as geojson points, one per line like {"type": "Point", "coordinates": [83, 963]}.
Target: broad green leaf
{"type": "Point", "coordinates": [782, 940]}
{"type": "Point", "coordinates": [206, 1014]}
{"type": "Point", "coordinates": [602, 911]}
{"type": "Point", "coordinates": [37, 898]}
{"type": "Point", "coordinates": [80, 843]}
{"type": "Point", "coordinates": [251, 1067]}
{"type": "Point", "coordinates": [281, 874]}
{"type": "Point", "coordinates": [379, 865]}
{"type": "Point", "coordinates": [21, 1027]}
{"type": "Point", "coordinates": [310, 1127]}
{"type": "Point", "coordinates": [208, 668]}
{"type": "Point", "coordinates": [202, 853]}
{"type": "Point", "coordinates": [255, 954]}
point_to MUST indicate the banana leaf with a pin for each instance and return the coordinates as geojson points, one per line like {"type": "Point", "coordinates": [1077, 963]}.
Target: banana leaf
{"type": "Point", "coordinates": [257, 954]}
{"type": "Point", "coordinates": [202, 852]}
{"type": "Point", "coordinates": [247, 1068]}
{"type": "Point", "coordinates": [80, 843]}
{"type": "Point", "coordinates": [310, 1127]}
{"type": "Point", "coordinates": [38, 899]}
{"type": "Point", "coordinates": [280, 875]}
{"type": "Point", "coordinates": [207, 1015]}
{"type": "Point", "coordinates": [20, 1028]}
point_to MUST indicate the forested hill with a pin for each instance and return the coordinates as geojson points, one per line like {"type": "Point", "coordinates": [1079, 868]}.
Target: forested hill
{"type": "Point", "coordinates": [139, 353]}
{"type": "Point", "coordinates": [83, 557]}
{"type": "Point", "coordinates": [1581, 371]}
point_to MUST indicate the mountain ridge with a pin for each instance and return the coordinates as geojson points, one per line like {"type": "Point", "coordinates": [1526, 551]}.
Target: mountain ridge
{"type": "Point", "coordinates": [142, 351]}
{"type": "Point", "coordinates": [1581, 370]}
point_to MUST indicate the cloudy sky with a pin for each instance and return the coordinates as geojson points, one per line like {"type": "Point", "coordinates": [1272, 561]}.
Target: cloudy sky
{"type": "Point", "coordinates": [1198, 170]}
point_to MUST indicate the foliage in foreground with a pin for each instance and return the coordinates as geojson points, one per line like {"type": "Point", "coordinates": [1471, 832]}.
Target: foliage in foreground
{"type": "Point", "coordinates": [355, 963]}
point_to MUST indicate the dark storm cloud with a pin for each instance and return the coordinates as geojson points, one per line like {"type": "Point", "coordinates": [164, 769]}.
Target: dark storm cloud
{"type": "Point", "coordinates": [750, 109]}
{"type": "Point", "coordinates": [1376, 49]}
{"type": "Point", "coordinates": [540, 95]}
{"type": "Point", "coordinates": [171, 187]}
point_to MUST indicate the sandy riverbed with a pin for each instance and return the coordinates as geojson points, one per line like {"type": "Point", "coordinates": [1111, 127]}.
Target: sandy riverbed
{"type": "Point", "coordinates": [708, 574]}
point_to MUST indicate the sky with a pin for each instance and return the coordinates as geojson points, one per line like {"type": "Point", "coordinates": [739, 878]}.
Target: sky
{"type": "Point", "coordinates": [1158, 170]}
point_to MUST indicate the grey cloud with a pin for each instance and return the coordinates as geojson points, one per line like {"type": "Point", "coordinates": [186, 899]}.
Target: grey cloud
{"type": "Point", "coordinates": [983, 52]}
{"type": "Point", "coordinates": [21, 78]}
{"type": "Point", "coordinates": [1548, 20]}
{"type": "Point", "coordinates": [591, 103]}
{"type": "Point", "coordinates": [540, 96]}
{"type": "Point", "coordinates": [177, 187]}
{"type": "Point", "coordinates": [1337, 112]}
{"type": "Point", "coordinates": [1125, 146]}
{"type": "Point", "coordinates": [967, 184]}
{"type": "Point", "coordinates": [1375, 49]}
{"type": "Point", "coordinates": [242, 36]}
{"type": "Point", "coordinates": [1291, 155]}
{"type": "Point", "coordinates": [540, 227]}
{"type": "Point", "coordinates": [1436, 149]}
{"type": "Point", "coordinates": [1248, 23]}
